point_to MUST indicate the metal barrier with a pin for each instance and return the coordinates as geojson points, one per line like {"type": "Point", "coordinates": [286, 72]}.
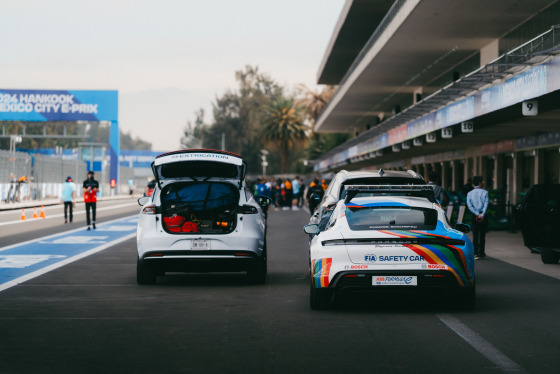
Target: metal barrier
{"type": "Point", "coordinates": [45, 175]}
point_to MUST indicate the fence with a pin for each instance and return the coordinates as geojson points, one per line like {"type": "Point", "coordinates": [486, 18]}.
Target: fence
{"type": "Point", "coordinates": [45, 175]}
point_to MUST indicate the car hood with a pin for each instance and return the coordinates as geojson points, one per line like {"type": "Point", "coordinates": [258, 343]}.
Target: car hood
{"type": "Point", "coordinates": [199, 165]}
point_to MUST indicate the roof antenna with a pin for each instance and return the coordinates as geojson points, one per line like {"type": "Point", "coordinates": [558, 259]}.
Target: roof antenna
{"type": "Point", "coordinates": [381, 172]}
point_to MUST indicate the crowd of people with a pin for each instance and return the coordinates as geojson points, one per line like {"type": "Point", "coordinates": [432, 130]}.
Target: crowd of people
{"type": "Point", "coordinates": [290, 193]}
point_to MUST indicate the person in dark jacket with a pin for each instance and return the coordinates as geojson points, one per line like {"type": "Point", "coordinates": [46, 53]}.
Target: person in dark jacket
{"type": "Point", "coordinates": [314, 188]}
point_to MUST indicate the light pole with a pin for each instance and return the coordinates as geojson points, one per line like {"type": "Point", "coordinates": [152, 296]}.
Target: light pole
{"type": "Point", "coordinates": [264, 163]}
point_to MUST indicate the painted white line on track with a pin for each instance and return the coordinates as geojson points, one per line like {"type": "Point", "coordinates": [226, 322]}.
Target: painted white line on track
{"type": "Point", "coordinates": [60, 215]}
{"type": "Point", "coordinates": [502, 362]}
{"type": "Point", "coordinates": [65, 232]}
{"type": "Point", "coordinates": [57, 265]}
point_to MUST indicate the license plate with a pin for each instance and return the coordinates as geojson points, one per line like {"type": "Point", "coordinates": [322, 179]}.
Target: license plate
{"type": "Point", "coordinates": [200, 244]}
{"type": "Point", "coordinates": [394, 280]}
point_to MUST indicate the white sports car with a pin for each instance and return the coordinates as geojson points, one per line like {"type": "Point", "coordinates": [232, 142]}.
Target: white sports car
{"type": "Point", "coordinates": [391, 238]}
{"type": "Point", "coordinates": [200, 218]}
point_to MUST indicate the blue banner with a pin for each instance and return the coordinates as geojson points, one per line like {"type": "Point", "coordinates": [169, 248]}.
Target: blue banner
{"type": "Point", "coordinates": [58, 105]}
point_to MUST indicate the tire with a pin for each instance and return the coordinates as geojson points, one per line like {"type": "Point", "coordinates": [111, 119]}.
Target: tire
{"type": "Point", "coordinates": [256, 274]}
{"type": "Point", "coordinates": [549, 256]}
{"type": "Point", "coordinates": [145, 274]}
{"type": "Point", "coordinates": [467, 299]}
{"type": "Point", "coordinates": [320, 298]}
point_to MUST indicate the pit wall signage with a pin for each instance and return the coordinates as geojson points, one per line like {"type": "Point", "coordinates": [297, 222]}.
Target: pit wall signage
{"type": "Point", "coordinates": [535, 82]}
{"type": "Point", "coordinates": [58, 105]}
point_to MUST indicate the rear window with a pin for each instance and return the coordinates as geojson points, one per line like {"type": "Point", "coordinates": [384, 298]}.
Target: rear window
{"type": "Point", "coordinates": [199, 169]}
{"type": "Point", "coordinates": [391, 218]}
{"type": "Point", "coordinates": [199, 196]}
{"type": "Point", "coordinates": [377, 181]}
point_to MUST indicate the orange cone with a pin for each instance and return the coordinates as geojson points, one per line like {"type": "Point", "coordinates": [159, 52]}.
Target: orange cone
{"type": "Point", "coordinates": [23, 214]}
{"type": "Point", "coordinates": [35, 212]}
{"type": "Point", "coordinates": [42, 215]}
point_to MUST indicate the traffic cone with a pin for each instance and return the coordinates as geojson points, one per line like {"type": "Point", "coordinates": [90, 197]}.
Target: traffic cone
{"type": "Point", "coordinates": [35, 212]}
{"type": "Point", "coordinates": [23, 214]}
{"type": "Point", "coordinates": [42, 215]}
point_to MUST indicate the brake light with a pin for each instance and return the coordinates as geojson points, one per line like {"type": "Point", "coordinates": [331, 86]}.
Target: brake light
{"type": "Point", "coordinates": [351, 276]}
{"type": "Point", "coordinates": [151, 209]}
{"type": "Point", "coordinates": [248, 209]}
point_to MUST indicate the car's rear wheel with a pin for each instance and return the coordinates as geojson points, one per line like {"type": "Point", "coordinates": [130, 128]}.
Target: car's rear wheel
{"type": "Point", "coordinates": [145, 274]}
{"type": "Point", "coordinates": [549, 256]}
{"type": "Point", "coordinates": [320, 298]}
{"type": "Point", "coordinates": [256, 274]}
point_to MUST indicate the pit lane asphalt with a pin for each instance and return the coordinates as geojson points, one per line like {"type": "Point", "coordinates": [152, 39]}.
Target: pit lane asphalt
{"type": "Point", "coordinates": [91, 316]}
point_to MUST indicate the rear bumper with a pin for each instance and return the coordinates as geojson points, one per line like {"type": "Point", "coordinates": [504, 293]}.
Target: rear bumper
{"type": "Point", "coordinates": [201, 261]}
{"type": "Point", "coordinates": [350, 282]}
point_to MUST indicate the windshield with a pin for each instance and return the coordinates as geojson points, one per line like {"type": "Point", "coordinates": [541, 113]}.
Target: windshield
{"type": "Point", "coordinates": [391, 218]}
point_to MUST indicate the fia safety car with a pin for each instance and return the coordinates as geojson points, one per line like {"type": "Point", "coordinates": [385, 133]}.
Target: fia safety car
{"type": "Point", "coordinates": [201, 217]}
{"type": "Point", "coordinates": [389, 238]}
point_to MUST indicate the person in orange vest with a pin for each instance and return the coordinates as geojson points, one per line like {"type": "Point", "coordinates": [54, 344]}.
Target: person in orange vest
{"type": "Point", "coordinates": [90, 188]}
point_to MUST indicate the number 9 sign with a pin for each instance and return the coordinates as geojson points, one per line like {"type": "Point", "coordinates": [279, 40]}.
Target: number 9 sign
{"type": "Point", "coordinates": [530, 108]}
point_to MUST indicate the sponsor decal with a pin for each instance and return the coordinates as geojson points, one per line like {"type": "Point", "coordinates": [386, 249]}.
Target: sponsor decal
{"type": "Point", "coordinates": [394, 280]}
{"type": "Point", "coordinates": [320, 269]}
{"type": "Point", "coordinates": [434, 267]}
{"type": "Point", "coordinates": [358, 267]}
{"type": "Point", "coordinates": [374, 258]}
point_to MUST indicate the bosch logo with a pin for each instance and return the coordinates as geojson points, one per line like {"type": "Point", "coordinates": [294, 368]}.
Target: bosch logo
{"type": "Point", "coordinates": [370, 258]}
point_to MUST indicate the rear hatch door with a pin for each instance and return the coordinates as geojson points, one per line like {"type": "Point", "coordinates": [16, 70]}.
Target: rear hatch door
{"type": "Point", "coordinates": [199, 165]}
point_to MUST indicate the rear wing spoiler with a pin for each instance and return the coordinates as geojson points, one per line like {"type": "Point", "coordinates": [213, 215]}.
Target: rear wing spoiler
{"type": "Point", "coordinates": [424, 191]}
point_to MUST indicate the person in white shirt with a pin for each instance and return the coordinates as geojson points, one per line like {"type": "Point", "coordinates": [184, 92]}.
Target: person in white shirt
{"type": "Point", "coordinates": [477, 202]}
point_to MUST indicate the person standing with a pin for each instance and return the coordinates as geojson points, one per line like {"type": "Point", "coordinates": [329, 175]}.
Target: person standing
{"type": "Point", "coordinates": [295, 193]}
{"type": "Point", "coordinates": [433, 178]}
{"type": "Point", "coordinates": [477, 202]}
{"type": "Point", "coordinates": [315, 188]}
{"type": "Point", "coordinates": [90, 187]}
{"type": "Point", "coordinates": [68, 198]}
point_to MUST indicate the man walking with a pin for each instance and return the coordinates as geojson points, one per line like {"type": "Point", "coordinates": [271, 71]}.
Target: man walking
{"type": "Point", "coordinates": [477, 201]}
{"type": "Point", "coordinates": [90, 187]}
{"type": "Point", "coordinates": [68, 198]}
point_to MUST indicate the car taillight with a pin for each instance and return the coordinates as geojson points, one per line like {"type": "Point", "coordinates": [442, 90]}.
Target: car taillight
{"type": "Point", "coordinates": [151, 209]}
{"type": "Point", "coordinates": [248, 209]}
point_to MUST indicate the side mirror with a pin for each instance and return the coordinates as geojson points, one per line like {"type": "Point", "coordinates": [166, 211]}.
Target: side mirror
{"type": "Point", "coordinates": [463, 227]}
{"type": "Point", "coordinates": [143, 200]}
{"type": "Point", "coordinates": [264, 201]}
{"type": "Point", "coordinates": [312, 229]}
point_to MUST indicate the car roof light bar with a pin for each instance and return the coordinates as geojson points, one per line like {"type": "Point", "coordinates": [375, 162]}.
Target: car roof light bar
{"type": "Point", "coordinates": [411, 190]}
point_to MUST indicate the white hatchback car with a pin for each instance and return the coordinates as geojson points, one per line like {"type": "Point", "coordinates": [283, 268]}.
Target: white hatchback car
{"type": "Point", "coordinates": [201, 218]}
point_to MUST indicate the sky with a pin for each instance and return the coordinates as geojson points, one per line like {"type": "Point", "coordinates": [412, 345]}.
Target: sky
{"type": "Point", "coordinates": [166, 58]}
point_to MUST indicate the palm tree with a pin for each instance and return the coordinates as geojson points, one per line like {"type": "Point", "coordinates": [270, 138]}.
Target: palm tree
{"type": "Point", "coordinates": [314, 101]}
{"type": "Point", "coordinates": [284, 126]}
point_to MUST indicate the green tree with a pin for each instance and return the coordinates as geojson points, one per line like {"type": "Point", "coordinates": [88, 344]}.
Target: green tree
{"type": "Point", "coordinates": [314, 102]}
{"type": "Point", "coordinates": [237, 117]}
{"type": "Point", "coordinates": [284, 128]}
